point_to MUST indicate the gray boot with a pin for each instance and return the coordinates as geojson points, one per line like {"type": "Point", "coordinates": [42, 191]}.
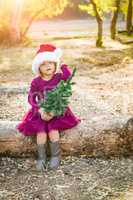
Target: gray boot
{"type": "Point", "coordinates": [55, 155]}
{"type": "Point", "coordinates": [41, 160]}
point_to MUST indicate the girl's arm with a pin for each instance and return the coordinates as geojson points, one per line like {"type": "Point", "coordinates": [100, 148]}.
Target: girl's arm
{"type": "Point", "coordinates": [66, 72]}
{"type": "Point", "coordinates": [34, 95]}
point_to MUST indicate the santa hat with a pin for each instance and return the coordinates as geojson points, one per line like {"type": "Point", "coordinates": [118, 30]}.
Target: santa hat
{"type": "Point", "coordinates": [46, 52]}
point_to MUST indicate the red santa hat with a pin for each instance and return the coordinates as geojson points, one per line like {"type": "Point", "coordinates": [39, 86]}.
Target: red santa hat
{"type": "Point", "coordinates": [46, 52]}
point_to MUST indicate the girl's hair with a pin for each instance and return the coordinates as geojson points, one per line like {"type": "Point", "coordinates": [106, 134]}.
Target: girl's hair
{"type": "Point", "coordinates": [55, 68]}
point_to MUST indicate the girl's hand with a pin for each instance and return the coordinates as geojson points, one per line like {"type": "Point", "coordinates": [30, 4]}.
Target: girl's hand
{"type": "Point", "coordinates": [46, 115]}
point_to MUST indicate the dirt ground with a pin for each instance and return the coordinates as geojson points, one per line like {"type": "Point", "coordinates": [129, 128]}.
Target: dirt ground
{"type": "Point", "coordinates": [78, 178]}
{"type": "Point", "coordinates": [106, 77]}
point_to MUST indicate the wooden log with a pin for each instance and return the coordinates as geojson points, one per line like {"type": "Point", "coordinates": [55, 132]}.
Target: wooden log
{"type": "Point", "coordinates": [13, 143]}
{"type": "Point", "coordinates": [15, 90]}
{"type": "Point", "coordinates": [101, 135]}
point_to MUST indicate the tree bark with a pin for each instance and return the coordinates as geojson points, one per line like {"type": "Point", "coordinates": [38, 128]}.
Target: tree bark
{"type": "Point", "coordinates": [103, 135]}
{"type": "Point", "coordinates": [99, 41]}
{"type": "Point", "coordinates": [114, 19]}
{"type": "Point", "coordinates": [129, 17]}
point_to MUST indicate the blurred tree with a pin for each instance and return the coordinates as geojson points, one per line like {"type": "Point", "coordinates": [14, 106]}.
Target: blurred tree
{"type": "Point", "coordinates": [99, 41]}
{"type": "Point", "coordinates": [97, 8]}
{"type": "Point", "coordinates": [19, 15]}
{"type": "Point", "coordinates": [42, 8]}
{"type": "Point", "coordinates": [129, 17]}
{"type": "Point", "coordinates": [73, 11]}
{"type": "Point", "coordinates": [116, 6]}
{"type": "Point", "coordinates": [126, 7]}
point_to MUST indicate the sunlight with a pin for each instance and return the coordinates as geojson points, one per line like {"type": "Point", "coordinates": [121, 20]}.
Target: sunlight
{"type": "Point", "coordinates": [19, 1]}
{"type": "Point", "coordinates": [18, 4]}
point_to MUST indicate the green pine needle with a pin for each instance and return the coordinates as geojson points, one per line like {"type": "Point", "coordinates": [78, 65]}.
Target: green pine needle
{"type": "Point", "coordinates": [57, 99]}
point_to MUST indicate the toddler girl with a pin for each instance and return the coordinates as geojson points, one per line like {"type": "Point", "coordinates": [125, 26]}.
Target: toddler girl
{"type": "Point", "coordinates": [49, 72]}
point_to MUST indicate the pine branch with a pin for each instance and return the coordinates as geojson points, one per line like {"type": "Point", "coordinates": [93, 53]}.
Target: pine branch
{"type": "Point", "coordinates": [57, 99]}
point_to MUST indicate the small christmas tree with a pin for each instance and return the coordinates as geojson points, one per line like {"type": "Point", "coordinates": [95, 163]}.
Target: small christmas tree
{"type": "Point", "coordinates": [57, 99]}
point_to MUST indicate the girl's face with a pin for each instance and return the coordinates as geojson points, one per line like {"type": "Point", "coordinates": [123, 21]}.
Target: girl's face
{"type": "Point", "coordinates": [47, 68]}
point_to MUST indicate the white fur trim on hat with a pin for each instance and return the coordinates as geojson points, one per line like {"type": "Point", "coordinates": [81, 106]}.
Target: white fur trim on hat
{"type": "Point", "coordinates": [46, 56]}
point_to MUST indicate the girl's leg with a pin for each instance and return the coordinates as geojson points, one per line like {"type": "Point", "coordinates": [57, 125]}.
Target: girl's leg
{"type": "Point", "coordinates": [41, 138]}
{"type": "Point", "coordinates": [53, 135]}
{"type": "Point", "coordinates": [55, 149]}
{"type": "Point", "coordinates": [41, 149]}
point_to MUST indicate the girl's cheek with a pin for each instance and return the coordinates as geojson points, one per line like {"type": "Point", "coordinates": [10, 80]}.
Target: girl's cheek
{"type": "Point", "coordinates": [43, 70]}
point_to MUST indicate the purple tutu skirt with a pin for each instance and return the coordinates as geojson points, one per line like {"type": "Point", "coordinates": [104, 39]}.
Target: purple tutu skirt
{"type": "Point", "coordinates": [32, 124]}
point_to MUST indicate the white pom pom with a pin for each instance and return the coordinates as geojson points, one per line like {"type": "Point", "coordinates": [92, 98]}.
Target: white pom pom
{"type": "Point", "coordinates": [58, 52]}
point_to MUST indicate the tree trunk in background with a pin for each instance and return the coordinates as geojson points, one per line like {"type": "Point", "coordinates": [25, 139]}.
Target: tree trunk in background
{"type": "Point", "coordinates": [31, 21]}
{"type": "Point", "coordinates": [114, 19]}
{"type": "Point", "coordinates": [15, 33]}
{"type": "Point", "coordinates": [129, 17]}
{"type": "Point", "coordinates": [99, 42]}
{"type": "Point", "coordinates": [99, 19]}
